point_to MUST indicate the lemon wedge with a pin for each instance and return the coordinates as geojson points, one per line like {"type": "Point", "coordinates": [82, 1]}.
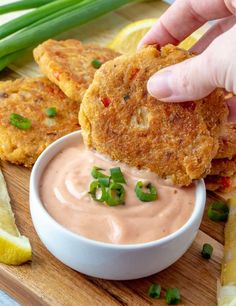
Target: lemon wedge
{"type": "Point", "coordinates": [227, 293]}
{"type": "Point", "coordinates": [14, 248]}
{"type": "Point", "coordinates": [127, 39]}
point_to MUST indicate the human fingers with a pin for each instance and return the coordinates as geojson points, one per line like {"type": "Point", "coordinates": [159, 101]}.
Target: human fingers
{"type": "Point", "coordinates": [195, 78]}
{"type": "Point", "coordinates": [217, 29]}
{"type": "Point", "coordinates": [183, 18]}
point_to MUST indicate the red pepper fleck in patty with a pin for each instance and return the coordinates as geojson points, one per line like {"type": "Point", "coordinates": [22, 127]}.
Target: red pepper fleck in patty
{"type": "Point", "coordinates": [225, 182]}
{"type": "Point", "coordinates": [134, 73]}
{"type": "Point", "coordinates": [106, 101]}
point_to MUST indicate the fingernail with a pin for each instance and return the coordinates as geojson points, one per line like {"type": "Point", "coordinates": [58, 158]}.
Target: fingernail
{"type": "Point", "coordinates": [159, 86]}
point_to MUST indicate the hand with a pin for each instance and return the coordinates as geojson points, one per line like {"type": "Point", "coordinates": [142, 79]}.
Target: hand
{"type": "Point", "coordinates": [215, 66]}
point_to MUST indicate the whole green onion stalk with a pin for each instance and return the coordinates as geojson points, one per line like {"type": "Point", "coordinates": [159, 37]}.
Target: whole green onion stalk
{"type": "Point", "coordinates": [22, 5]}
{"type": "Point", "coordinates": [54, 24]}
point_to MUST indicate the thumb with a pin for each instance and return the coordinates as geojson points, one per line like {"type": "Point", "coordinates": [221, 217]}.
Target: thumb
{"type": "Point", "coordinates": [197, 77]}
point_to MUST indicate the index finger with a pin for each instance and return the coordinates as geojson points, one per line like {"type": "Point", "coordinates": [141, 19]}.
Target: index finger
{"type": "Point", "coordinates": [182, 19]}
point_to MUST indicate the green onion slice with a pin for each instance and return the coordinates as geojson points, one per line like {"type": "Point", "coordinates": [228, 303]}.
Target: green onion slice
{"type": "Point", "coordinates": [20, 122]}
{"type": "Point", "coordinates": [96, 63]}
{"type": "Point", "coordinates": [104, 181]}
{"type": "Point", "coordinates": [117, 175]}
{"type": "Point", "coordinates": [51, 112]}
{"type": "Point", "coordinates": [115, 195]}
{"type": "Point", "coordinates": [96, 173]}
{"type": "Point", "coordinates": [146, 196]}
{"type": "Point", "coordinates": [93, 190]}
{"type": "Point", "coordinates": [172, 296]}
{"type": "Point", "coordinates": [218, 211]}
{"type": "Point", "coordinates": [207, 251]}
{"type": "Point", "coordinates": [154, 291]}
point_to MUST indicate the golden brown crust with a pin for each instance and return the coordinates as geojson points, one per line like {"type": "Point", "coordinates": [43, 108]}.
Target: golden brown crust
{"type": "Point", "coordinates": [120, 119]}
{"type": "Point", "coordinates": [30, 98]}
{"type": "Point", "coordinates": [227, 142]}
{"type": "Point", "coordinates": [68, 64]}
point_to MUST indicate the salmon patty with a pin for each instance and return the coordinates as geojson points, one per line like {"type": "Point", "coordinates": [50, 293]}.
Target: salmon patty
{"type": "Point", "coordinates": [219, 183]}
{"type": "Point", "coordinates": [32, 98]}
{"type": "Point", "coordinates": [71, 65]}
{"type": "Point", "coordinates": [120, 119]}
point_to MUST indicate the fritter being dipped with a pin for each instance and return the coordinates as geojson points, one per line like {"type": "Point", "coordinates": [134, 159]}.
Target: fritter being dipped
{"type": "Point", "coordinates": [33, 113]}
{"type": "Point", "coordinates": [70, 64]}
{"type": "Point", "coordinates": [120, 119]}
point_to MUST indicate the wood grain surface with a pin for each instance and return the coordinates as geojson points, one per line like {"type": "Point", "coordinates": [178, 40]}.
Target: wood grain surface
{"type": "Point", "coordinates": [46, 281]}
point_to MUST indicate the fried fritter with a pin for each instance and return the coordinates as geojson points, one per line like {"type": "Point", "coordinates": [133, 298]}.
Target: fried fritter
{"type": "Point", "coordinates": [222, 176]}
{"type": "Point", "coordinates": [227, 142]}
{"type": "Point", "coordinates": [68, 64]}
{"type": "Point", "coordinates": [223, 167]}
{"type": "Point", "coordinates": [120, 119]}
{"type": "Point", "coordinates": [220, 183]}
{"type": "Point", "coordinates": [30, 98]}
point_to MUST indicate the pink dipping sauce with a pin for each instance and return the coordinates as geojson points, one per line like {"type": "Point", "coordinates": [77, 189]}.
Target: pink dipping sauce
{"type": "Point", "coordinates": [64, 191]}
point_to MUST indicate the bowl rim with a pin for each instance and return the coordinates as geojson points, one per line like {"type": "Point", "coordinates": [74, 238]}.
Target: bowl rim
{"type": "Point", "coordinates": [198, 210]}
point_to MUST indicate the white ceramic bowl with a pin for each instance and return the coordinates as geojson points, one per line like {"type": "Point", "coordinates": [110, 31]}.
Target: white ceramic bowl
{"type": "Point", "coordinates": [104, 260]}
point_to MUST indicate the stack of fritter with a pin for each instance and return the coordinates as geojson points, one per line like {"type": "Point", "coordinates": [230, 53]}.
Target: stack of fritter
{"type": "Point", "coordinates": [49, 106]}
{"type": "Point", "coordinates": [222, 176]}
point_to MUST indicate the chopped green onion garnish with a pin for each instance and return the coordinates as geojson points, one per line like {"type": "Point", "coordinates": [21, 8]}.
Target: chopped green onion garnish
{"type": "Point", "coordinates": [96, 63]}
{"type": "Point", "coordinates": [207, 250]}
{"type": "Point", "coordinates": [96, 173]}
{"type": "Point", "coordinates": [218, 211]}
{"type": "Point", "coordinates": [51, 112]}
{"type": "Point", "coordinates": [144, 196]}
{"type": "Point", "coordinates": [172, 296]}
{"type": "Point", "coordinates": [117, 176]}
{"type": "Point", "coordinates": [115, 195]}
{"type": "Point", "coordinates": [154, 291]}
{"type": "Point", "coordinates": [104, 181]}
{"type": "Point", "coordinates": [93, 189]}
{"type": "Point", "coordinates": [20, 122]}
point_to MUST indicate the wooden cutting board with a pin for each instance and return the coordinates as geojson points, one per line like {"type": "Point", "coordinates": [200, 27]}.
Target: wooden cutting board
{"type": "Point", "coordinates": [46, 281]}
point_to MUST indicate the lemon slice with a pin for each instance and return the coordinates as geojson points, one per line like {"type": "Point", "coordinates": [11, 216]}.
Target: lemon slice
{"type": "Point", "coordinates": [127, 39]}
{"type": "Point", "coordinates": [14, 248]}
{"type": "Point", "coordinates": [227, 293]}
